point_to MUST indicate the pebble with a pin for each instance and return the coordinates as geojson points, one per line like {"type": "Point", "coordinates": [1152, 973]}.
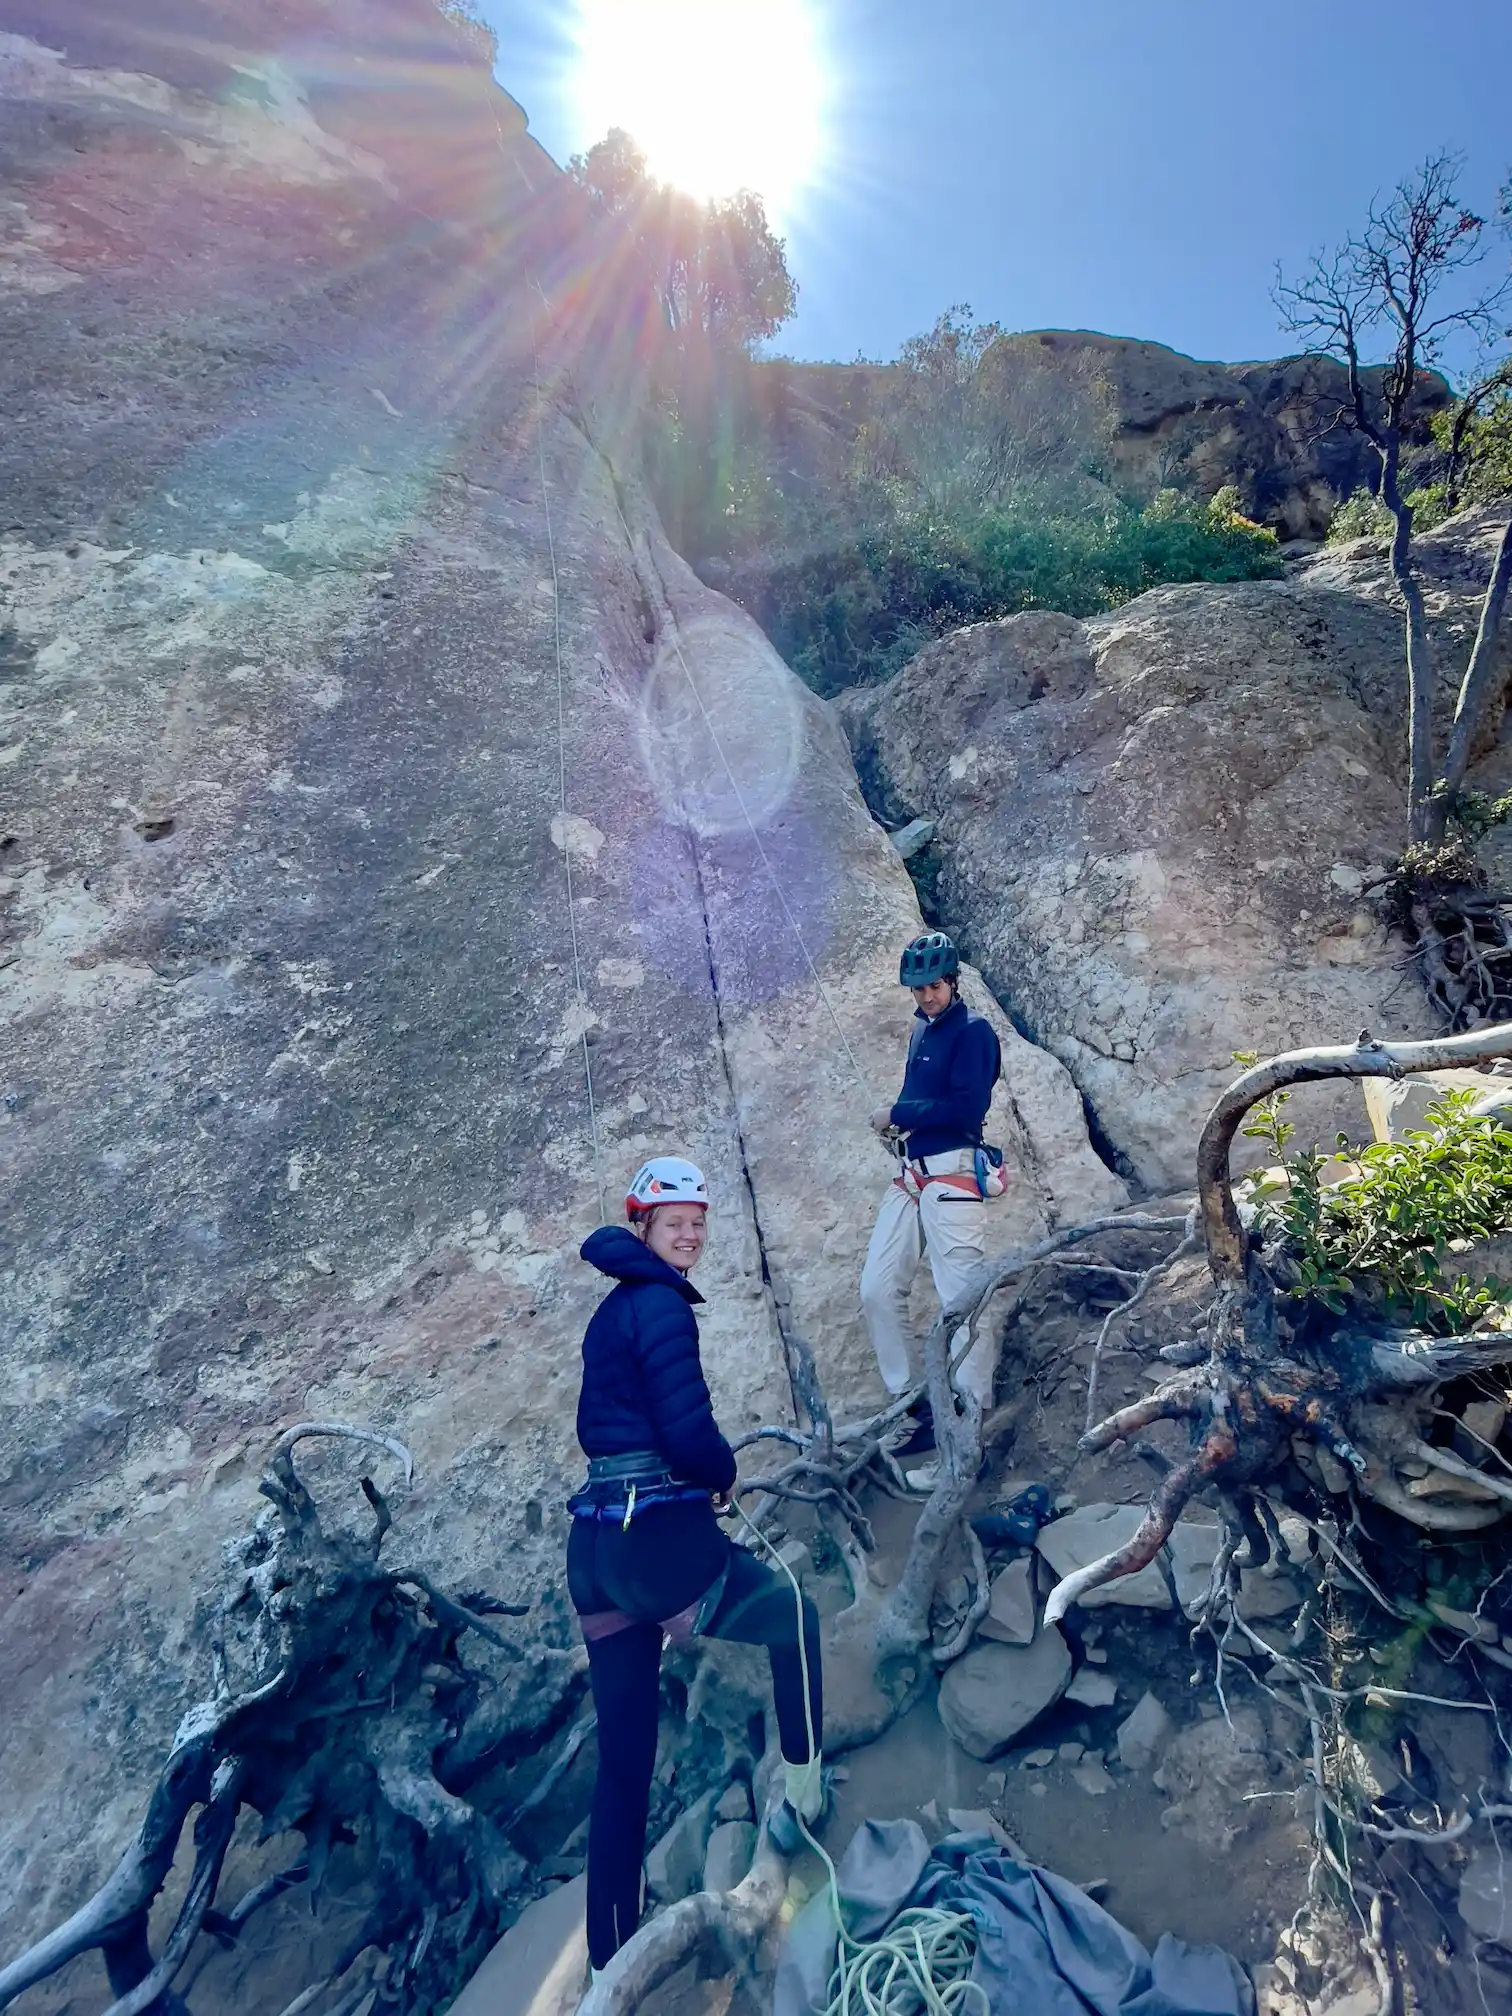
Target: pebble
{"type": "Point", "coordinates": [1070, 1753]}
{"type": "Point", "coordinates": [1036, 1760]}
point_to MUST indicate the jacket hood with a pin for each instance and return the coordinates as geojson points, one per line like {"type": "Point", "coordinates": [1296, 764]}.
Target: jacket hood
{"type": "Point", "coordinates": [615, 1250]}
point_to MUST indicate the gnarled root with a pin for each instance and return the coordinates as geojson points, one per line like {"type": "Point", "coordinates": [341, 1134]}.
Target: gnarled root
{"type": "Point", "coordinates": [732, 1923]}
{"type": "Point", "coordinates": [1363, 1408]}
{"type": "Point", "coordinates": [324, 1637]}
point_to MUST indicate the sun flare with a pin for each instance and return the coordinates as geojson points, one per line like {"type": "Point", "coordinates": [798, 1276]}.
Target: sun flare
{"type": "Point", "coordinates": [719, 94]}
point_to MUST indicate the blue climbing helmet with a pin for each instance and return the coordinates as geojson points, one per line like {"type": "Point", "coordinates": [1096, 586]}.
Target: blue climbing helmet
{"type": "Point", "coordinates": [928, 959]}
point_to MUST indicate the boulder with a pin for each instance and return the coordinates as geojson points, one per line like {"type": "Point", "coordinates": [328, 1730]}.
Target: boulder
{"type": "Point", "coordinates": [1085, 1536]}
{"type": "Point", "coordinates": [734, 1803]}
{"type": "Point", "coordinates": [540, 1966]}
{"type": "Point", "coordinates": [1011, 1612]}
{"type": "Point", "coordinates": [1143, 1735]}
{"type": "Point", "coordinates": [731, 1850]}
{"type": "Point", "coordinates": [1156, 828]}
{"type": "Point", "coordinates": [994, 1692]}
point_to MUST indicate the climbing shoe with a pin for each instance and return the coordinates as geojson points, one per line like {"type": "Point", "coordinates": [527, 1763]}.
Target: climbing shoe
{"type": "Point", "coordinates": [921, 1440]}
{"type": "Point", "coordinates": [783, 1827]}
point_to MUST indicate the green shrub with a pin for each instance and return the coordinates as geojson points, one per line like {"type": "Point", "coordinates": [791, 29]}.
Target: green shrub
{"type": "Point", "coordinates": [851, 610]}
{"type": "Point", "coordinates": [1362, 516]}
{"type": "Point", "coordinates": [1379, 1243]}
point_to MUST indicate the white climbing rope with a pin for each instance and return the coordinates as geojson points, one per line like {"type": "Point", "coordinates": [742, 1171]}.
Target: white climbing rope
{"type": "Point", "coordinates": [719, 750]}
{"type": "Point", "coordinates": [765, 858]}
{"type": "Point", "coordinates": [921, 1965]}
{"type": "Point", "coordinates": [556, 625]}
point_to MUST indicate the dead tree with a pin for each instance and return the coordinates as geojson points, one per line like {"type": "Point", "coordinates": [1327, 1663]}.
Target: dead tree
{"type": "Point", "coordinates": [1402, 275]}
{"type": "Point", "coordinates": [1352, 1404]}
{"type": "Point", "coordinates": [337, 1683]}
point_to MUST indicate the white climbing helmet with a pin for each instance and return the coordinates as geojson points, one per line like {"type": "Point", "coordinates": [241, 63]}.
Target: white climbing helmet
{"type": "Point", "coordinates": [666, 1179]}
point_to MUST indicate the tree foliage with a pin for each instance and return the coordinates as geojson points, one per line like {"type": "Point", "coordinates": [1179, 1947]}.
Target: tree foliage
{"type": "Point", "coordinates": [1383, 1242]}
{"type": "Point", "coordinates": [715, 270]}
{"type": "Point", "coordinates": [1402, 281]}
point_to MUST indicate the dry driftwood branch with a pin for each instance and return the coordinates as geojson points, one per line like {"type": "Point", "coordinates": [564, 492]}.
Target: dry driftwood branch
{"type": "Point", "coordinates": [326, 1638]}
{"type": "Point", "coordinates": [1249, 1398]}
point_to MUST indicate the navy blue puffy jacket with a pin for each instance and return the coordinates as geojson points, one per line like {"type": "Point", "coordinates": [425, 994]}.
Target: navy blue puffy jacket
{"type": "Point", "coordinates": [643, 1383]}
{"type": "Point", "coordinates": [953, 1064]}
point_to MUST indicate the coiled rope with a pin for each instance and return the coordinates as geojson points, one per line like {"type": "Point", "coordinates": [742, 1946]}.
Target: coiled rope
{"type": "Point", "coordinates": [921, 1965]}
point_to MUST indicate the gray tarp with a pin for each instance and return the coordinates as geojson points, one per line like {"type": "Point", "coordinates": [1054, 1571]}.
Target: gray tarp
{"type": "Point", "coordinates": [1042, 1944]}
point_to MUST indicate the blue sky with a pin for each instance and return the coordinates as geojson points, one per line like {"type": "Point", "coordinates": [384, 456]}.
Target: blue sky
{"type": "Point", "coordinates": [1134, 166]}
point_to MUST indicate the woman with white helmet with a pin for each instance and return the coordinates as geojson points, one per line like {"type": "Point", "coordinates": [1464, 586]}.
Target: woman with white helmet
{"type": "Point", "coordinates": [647, 1559]}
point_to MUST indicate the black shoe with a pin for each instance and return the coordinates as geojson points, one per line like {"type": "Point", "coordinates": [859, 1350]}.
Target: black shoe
{"type": "Point", "coordinates": [922, 1441]}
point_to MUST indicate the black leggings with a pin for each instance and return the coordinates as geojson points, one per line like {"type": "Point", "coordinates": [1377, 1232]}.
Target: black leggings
{"type": "Point", "coordinates": [668, 1558]}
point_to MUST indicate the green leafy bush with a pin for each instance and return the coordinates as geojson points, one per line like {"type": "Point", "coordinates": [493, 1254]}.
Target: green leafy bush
{"type": "Point", "coordinates": [851, 611]}
{"type": "Point", "coordinates": [1362, 516]}
{"type": "Point", "coordinates": [1380, 1242]}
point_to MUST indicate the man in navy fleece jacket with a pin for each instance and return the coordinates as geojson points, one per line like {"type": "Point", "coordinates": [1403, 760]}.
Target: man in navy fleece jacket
{"type": "Point", "coordinates": [933, 1204]}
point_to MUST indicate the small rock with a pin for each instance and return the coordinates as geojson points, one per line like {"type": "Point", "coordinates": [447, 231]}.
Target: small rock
{"type": "Point", "coordinates": [731, 1850]}
{"type": "Point", "coordinates": [797, 1559]}
{"type": "Point", "coordinates": [1097, 1655]}
{"type": "Point", "coordinates": [1039, 1788]}
{"type": "Point", "coordinates": [995, 1784]}
{"type": "Point", "coordinates": [1085, 1536]}
{"type": "Point", "coordinates": [995, 1691]}
{"type": "Point", "coordinates": [957, 1593]}
{"type": "Point", "coordinates": [1193, 1548]}
{"type": "Point", "coordinates": [1071, 1753]}
{"type": "Point", "coordinates": [1066, 1502]}
{"type": "Point", "coordinates": [1036, 1760]}
{"type": "Point", "coordinates": [1143, 1735]}
{"type": "Point", "coordinates": [1095, 1887]}
{"type": "Point", "coordinates": [1262, 1596]}
{"type": "Point", "coordinates": [1093, 1690]}
{"type": "Point", "coordinates": [1010, 1615]}
{"type": "Point", "coordinates": [913, 838]}
{"type": "Point", "coordinates": [1485, 1894]}
{"type": "Point", "coordinates": [675, 1864]}
{"type": "Point", "coordinates": [931, 1813]}
{"type": "Point", "coordinates": [977, 1820]}
{"type": "Point", "coordinates": [1092, 1777]}
{"type": "Point", "coordinates": [734, 1803]}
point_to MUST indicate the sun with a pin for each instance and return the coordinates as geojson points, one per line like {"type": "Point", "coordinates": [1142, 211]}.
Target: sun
{"type": "Point", "coordinates": [719, 94]}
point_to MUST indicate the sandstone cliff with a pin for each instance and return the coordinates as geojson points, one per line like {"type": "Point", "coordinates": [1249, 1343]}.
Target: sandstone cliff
{"type": "Point", "coordinates": [373, 780]}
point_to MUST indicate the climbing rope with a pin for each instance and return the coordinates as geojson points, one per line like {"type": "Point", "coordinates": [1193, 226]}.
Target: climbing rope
{"type": "Point", "coordinates": [765, 858]}
{"type": "Point", "coordinates": [556, 624]}
{"type": "Point", "coordinates": [921, 1965]}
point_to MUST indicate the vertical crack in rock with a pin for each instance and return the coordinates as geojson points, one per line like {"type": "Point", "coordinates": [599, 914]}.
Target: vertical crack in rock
{"type": "Point", "coordinates": [664, 626]}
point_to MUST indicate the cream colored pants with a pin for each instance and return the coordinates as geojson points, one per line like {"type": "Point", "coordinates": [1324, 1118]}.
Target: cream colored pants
{"type": "Point", "coordinates": [950, 1226]}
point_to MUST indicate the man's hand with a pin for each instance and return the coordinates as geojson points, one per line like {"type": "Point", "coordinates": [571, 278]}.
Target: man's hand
{"type": "Point", "coordinates": [723, 1504]}
{"type": "Point", "coordinates": [881, 1119]}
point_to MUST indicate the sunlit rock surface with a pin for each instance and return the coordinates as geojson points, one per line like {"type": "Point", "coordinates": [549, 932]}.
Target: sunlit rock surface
{"type": "Point", "coordinates": [333, 661]}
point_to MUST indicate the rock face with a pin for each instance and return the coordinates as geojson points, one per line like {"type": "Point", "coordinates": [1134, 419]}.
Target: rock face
{"type": "Point", "coordinates": [397, 844]}
{"type": "Point", "coordinates": [1156, 827]}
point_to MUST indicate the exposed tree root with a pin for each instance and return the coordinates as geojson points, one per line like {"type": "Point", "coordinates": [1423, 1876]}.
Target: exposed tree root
{"type": "Point", "coordinates": [1351, 1412]}
{"type": "Point", "coordinates": [342, 1686]}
